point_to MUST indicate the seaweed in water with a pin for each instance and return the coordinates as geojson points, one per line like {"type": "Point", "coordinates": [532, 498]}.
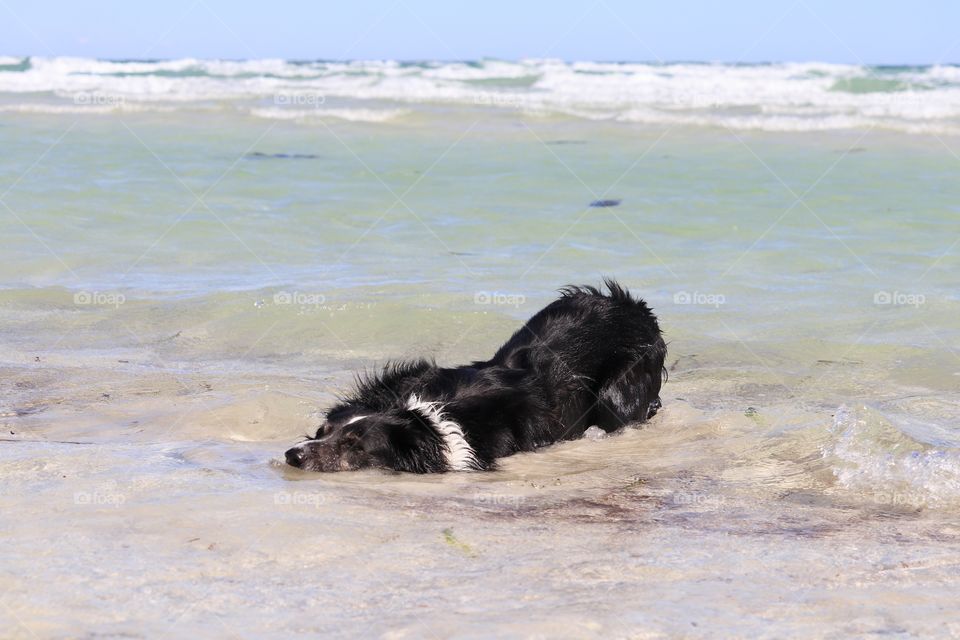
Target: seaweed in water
{"type": "Point", "coordinates": [604, 203]}
{"type": "Point", "coordinates": [258, 155]}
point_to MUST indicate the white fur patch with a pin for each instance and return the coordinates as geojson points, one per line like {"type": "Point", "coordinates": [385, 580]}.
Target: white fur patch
{"type": "Point", "coordinates": [460, 455]}
{"type": "Point", "coordinates": [353, 419]}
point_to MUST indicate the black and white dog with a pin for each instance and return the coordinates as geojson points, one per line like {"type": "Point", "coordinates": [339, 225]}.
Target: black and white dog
{"type": "Point", "coordinates": [588, 358]}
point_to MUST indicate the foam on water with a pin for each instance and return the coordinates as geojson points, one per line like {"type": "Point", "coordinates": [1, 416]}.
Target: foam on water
{"type": "Point", "coordinates": [352, 115]}
{"type": "Point", "coordinates": [871, 456]}
{"type": "Point", "coordinates": [773, 97]}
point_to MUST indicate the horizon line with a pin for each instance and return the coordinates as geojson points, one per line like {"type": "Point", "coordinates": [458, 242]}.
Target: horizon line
{"type": "Point", "coordinates": [491, 58]}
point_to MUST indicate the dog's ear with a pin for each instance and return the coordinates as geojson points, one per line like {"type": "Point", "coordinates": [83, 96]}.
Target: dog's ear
{"type": "Point", "coordinates": [519, 359]}
{"type": "Point", "coordinates": [417, 420]}
{"type": "Point", "coordinates": [415, 444]}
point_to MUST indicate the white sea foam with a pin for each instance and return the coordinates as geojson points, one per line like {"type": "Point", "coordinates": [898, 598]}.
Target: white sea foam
{"type": "Point", "coordinates": [353, 115]}
{"type": "Point", "coordinates": [870, 455]}
{"type": "Point", "coordinates": [58, 109]}
{"type": "Point", "coordinates": [775, 97]}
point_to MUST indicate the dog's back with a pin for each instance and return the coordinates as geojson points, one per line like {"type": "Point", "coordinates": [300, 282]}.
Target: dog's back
{"type": "Point", "coordinates": [600, 355]}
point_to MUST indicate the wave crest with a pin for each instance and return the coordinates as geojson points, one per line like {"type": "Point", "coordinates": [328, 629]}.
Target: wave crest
{"type": "Point", "coordinates": [871, 456]}
{"type": "Point", "coordinates": [775, 97]}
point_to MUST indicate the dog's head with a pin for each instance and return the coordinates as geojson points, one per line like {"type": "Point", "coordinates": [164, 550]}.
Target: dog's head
{"type": "Point", "coordinates": [353, 438]}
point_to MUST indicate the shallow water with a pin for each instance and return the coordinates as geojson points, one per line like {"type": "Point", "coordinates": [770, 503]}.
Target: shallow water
{"type": "Point", "coordinates": [184, 290]}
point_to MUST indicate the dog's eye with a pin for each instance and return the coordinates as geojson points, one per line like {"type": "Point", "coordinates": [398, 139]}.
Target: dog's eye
{"type": "Point", "coordinates": [351, 440]}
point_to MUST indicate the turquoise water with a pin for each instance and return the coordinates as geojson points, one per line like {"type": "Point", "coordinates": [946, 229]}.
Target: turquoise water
{"type": "Point", "coordinates": [199, 254]}
{"type": "Point", "coordinates": [175, 214]}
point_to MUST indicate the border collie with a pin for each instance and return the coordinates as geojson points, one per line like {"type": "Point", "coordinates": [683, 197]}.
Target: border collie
{"type": "Point", "coordinates": [588, 358]}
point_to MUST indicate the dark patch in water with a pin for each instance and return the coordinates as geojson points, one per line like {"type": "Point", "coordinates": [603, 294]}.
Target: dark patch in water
{"type": "Point", "coordinates": [844, 362]}
{"type": "Point", "coordinates": [801, 530]}
{"type": "Point", "coordinates": [894, 512]}
{"type": "Point", "coordinates": [169, 338]}
{"type": "Point", "coordinates": [257, 155]}
{"type": "Point", "coordinates": [23, 65]}
{"type": "Point", "coordinates": [44, 441]}
{"type": "Point", "coordinates": [943, 536]}
{"type": "Point", "coordinates": [813, 499]}
{"type": "Point", "coordinates": [26, 411]}
{"type": "Point", "coordinates": [588, 510]}
{"type": "Point", "coordinates": [605, 203]}
{"type": "Point", "coordinates": [691, 356]}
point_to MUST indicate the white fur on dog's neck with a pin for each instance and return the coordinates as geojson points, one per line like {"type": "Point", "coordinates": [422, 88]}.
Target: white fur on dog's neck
{"type": "Point", "coordinates": [459, 455]}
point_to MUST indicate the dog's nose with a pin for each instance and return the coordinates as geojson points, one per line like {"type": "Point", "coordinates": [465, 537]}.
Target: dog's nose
{"type": "Point", "coordinates": [294, 457]}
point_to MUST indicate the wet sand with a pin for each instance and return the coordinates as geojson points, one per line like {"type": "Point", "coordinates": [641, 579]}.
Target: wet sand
{"type": "Point", "coordinates": [707, 521]}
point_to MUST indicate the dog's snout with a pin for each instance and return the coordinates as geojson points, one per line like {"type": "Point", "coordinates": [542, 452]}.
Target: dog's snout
{"type": "Point", "coordinates": [295, 457]}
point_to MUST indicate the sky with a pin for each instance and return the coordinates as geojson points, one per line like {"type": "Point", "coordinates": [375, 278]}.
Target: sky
{"type": "Point", "coordinates": [844, 31]}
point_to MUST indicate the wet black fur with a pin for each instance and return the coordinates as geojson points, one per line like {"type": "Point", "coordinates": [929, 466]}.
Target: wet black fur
{"type": "Point", "coordinates": [588, 358]}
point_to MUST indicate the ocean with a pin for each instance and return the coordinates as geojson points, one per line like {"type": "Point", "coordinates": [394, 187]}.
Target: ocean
{"type": "Point", "coordinates": [200, 254]}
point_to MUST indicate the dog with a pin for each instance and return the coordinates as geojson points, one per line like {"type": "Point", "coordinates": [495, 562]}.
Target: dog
{"type": "Point", "coordinates": [588, 358]}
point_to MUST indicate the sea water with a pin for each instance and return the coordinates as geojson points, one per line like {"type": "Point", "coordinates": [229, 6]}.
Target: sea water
{"type": "Point", "coordinates": [198, 255]}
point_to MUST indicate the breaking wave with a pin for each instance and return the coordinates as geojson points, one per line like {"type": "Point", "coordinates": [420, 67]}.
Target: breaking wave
{"type": "Point", "coordinates": [773, 97]}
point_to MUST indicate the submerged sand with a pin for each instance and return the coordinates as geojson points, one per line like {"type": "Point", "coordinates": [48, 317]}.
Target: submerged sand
{"type": "Point", "coordinates": [734, 520]}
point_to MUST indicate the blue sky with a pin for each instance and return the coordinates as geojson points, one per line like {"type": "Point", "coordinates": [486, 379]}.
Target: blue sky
{"type": "Point", "coordinates": [735, 30]}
